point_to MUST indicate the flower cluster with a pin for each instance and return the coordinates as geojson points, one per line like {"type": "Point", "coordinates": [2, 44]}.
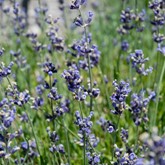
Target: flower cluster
{"type": "Point", "coordinates": [126, 20]}
{"type": "Point", "coordinates": [83, 51]}
{"type": "Point", "coordinates": [127, 157]}
{"type": "Point", "coordinates": [49, 68]}
{"type": "Point", "coordinates": [124, 135]}
{"type": "Point", "coordinates": [5, 71]}
{"type": "Point", "coordinates": [54, 138]}
{"type": "Point", "coordinates": [56, 42]}
{"type": "Point", "coordinates": [119, 96]}
{"type": "Point", "coordinates": [73, 78]}
{"type": "Point", "coordinates": [131, 20]}
{"type": "Point", "coordinates": [159, 19]}
{"type": "Point", "coordinates": [138, 106]}
{"type": "Point", "coordinates": [87, 139]}
{"type": "Point", "coordinates": [138, 62]}
{"type": "Point", "coordinates": [106, 125]}
{"type": "Point", "coordinates": [20, 20]}
{"type": "Point", "coordinates": [76, 4]}
{"type": "Point", "coordinates": [154, 148]}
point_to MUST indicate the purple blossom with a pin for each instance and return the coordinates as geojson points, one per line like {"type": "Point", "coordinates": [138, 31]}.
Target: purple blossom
{"type": "Point", "coordinates": [73, 78]}
{"type": "Point", "coordinates": [119, 96]}
{"type": "Point", "coordinates": [76, 4]}
{"type": "Point", "coordinates": [138, 107]}
{"type": "Point", "coordinates": [161, 49]}
{"type": "Point", "coordinates": [138, 62]}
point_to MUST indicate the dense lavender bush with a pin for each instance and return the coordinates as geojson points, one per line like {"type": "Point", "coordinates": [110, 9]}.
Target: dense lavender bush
{"type": "Point", "coordinates": [84, 87]}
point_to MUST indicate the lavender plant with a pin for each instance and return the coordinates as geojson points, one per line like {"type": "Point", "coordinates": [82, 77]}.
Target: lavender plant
{"type": "Point", "coordinates": [82, 91]}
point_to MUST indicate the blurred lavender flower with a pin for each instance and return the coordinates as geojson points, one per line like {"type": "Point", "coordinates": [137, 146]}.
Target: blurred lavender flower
{"type": "Point", "coordinates": [138, 106]}
{"type": "Point", "coordinates": [124, 135]}
{"type": "Point", "coordinates": [138, 62]}
{"type": "Point", "coordinates": [56, 42]}
{"type": "Point", "coordinates": [37, 103]}
{"type": "Point", "coordinates": [73, 79]}
{"type": "Point", "coordinates": [158, 38]}
{"type": "Point", "coordinates": [93, 159]}
{"type": "Point", "coordinates": [82, 23]}
{"type": "Point", "coordinates": [126, 20]}
{"type": "Point", "coordinates": [161, 49]}
{"type": "Point", "coordinates": [106, 125]}
{"type": "Point", "coordinates": [39, 90]}
{"type": "Point", "coordinates": [5, 71]}
{"type": "Point", "coordinates": [76, 4]}
{"type": "Point", "coordinates": [53, 94]}
{"type": "Point", "coordinates": [20, 160]}
{"type": "Point", "coordinates": [22, 98]}
{"type": "Point", "coordinates": [19, 59]}
{"type": "Point", "coordinates": [24, 117]}
{"type": "Point", "coordinates": [84, 124]}
{"type": "Point", "coordinates": [41, 12]}
{"type": "Point", "coordinates": [123, 158]}
{"type": "Point", "coordinates": [82, 51]}
{"type": "Point", "coordinates": [1, 51]}
{"type": "Point", "coordinates": [63, 108]}
{"type": "Point", "coordinates": [124, 45]}
{"type": "Point", "coordinates": [119, 96]}
{"type": "Point", "coordinates": [87, 139]}
{"type": "Point", "coordinates": [154, 148]}
{"type": "Point", "coordinates": [20, 20]}
{"type": "Point", "coordinates": [54, 139]}
{"type": "Point", "coordinates": [159, 17]}
{"type": "Point", "coordinates": [7, 118]}
{"type": "Point", "coordinates": [49, 68]}
{"type": "Point", "coordinates": [139, 19]}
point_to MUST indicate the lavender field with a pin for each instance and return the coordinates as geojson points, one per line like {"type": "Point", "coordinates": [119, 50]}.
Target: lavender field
{"type": "Point", "coordinates": [82, 82]}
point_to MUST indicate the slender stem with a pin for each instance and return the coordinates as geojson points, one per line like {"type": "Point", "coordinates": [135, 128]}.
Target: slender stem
{"type": "Point", "coordinates": [156, 72]}
{"type": "Point", "coordinates": [137, 137]}
{"type": "Point", "coordinates": [71, 132]}
{"type": "Point", "coordinates": [158, 92]}
{"type": "Point", "coordinates": [105, 87]}
{"type": "Point", "coordinates": [136, 3]}
{"type": "Point", "coordinates": [67, 141]}
{"type": "Point", "coordinates": [39, 3]}
{"type": "Point", "coordinates": [90, 73]}
{"type": "Point", "coordinates": [84, 137]}
{"type": "Point", "coordinates": [118, 66]}
{"type": "Point", "coordinates": [115, 137]}
{"type": "Point", "coordinates": [10, 83]}
{"type": "Point", "coordinates": [31, 125]}
{"type": "Point", "coordinates": [89, 64]}
{"type": "Point", "coordinates": [51, 102]}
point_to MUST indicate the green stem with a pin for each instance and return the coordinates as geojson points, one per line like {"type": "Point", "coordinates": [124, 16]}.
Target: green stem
{"type": "Point", "coordinates": [31, 125]}
{"type": "Point", "coordinates": [67, 141]}
{"type": "Point", "coordinates": [158, 93]}
{"type": "Point", "coordinates": [105, 87]}
{"type": "Point", "coordinates": [84, 153]}
{"type": "Point", "coordinates": [84, 137]}
{"type": "Point", "coordinates": [39, 3]}
{"type": "Point", "coordinates": [136, 4]}
{"type": "Point", "coordinates": [156, 72]}
{"type": "Point", "coordinates": [51, 103]}
{"type": "Point", "coordinates": [71, 132]}
{"type": "Point", "coordinates": [115, 137]}
{"type": "Point", "coordinates": [137, 137]}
